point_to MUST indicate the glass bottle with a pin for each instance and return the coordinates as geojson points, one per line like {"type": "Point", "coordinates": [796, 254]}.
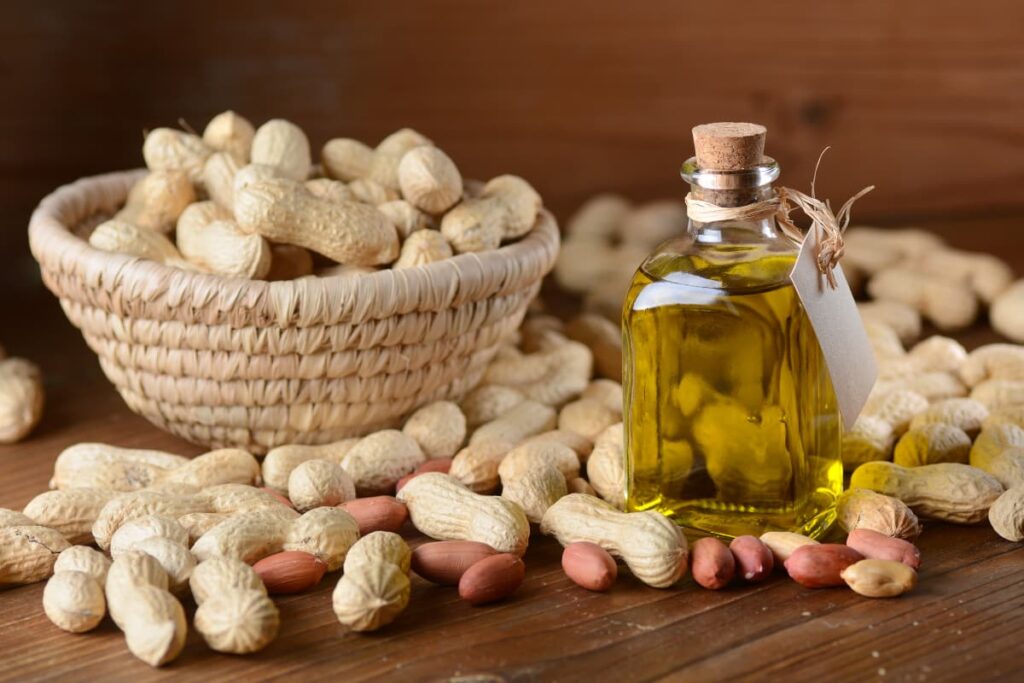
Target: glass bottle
{"type": "Point", "coordinates": [732, 425]}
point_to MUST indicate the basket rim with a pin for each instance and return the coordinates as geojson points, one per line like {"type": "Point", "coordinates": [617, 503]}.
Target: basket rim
{"type": "Point", "coordinates": [115, 281]}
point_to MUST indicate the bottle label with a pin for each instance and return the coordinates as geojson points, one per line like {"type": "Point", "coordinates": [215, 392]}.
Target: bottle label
{"type": "Point", "coordinates": [837, 324]}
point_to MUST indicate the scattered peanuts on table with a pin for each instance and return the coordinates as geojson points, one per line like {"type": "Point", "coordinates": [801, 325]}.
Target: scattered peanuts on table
{"type": "Point", "coordinates": [537, 447]}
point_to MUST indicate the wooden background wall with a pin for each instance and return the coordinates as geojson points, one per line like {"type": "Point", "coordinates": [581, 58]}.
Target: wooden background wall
{"type": "Point", "coordinates": [924, 98]}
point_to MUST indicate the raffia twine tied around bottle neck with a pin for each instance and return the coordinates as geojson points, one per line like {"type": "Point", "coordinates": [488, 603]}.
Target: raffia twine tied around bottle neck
{"type": "Point", "coordinates": [832, 225]}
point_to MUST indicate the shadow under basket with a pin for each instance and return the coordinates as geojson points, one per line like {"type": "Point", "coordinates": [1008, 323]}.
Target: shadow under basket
{"type": "Point", "coordinates": [226, 362]}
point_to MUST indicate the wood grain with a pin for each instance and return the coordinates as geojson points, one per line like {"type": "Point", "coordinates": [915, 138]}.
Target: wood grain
{"type": "Point", "coordinates": [962, 623]}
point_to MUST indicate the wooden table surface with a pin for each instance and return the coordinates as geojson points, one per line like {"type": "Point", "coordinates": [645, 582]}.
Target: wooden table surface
{"type": "Point", "coordinates": [962, 623]}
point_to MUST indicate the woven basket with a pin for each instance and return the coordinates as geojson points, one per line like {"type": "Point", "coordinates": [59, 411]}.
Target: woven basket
{"type": "Point", "coordinates": [251, 364]}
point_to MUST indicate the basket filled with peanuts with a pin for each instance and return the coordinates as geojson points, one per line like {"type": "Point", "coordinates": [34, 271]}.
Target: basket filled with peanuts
{"type": "Point", "coordinates": [239, 295]}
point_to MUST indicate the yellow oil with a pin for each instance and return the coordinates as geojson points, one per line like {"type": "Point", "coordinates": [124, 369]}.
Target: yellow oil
{"type": "Point", "coordinates": [732, 425]}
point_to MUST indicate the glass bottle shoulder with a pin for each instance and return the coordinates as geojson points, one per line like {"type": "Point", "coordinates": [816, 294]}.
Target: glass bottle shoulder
{"type": "Point", "coordinates": [736, 261]}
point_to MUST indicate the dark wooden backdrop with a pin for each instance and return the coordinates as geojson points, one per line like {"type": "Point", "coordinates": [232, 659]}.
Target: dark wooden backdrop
{"type": "Point", "coordinates": [924, 98]}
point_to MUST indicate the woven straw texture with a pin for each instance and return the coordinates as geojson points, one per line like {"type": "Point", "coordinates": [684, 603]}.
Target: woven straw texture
{"type": "Point", "coordinates": [251, 364]}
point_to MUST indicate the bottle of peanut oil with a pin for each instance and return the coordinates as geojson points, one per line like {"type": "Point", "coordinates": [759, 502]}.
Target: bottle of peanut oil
{"type": "Point", "coordinates": [732, 425]}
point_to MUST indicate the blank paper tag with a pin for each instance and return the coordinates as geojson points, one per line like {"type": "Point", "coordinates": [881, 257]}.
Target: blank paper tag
{"type": "Point", "coordinates": [836, 322]}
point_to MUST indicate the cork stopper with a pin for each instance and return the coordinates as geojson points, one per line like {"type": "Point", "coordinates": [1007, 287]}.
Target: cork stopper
{"type": "Point", "coordinates": [729, 146]}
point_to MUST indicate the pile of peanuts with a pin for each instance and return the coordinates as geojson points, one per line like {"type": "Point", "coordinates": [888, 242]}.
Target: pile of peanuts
{"type": "Point", "coordinates": [943, 429]}
{"type": "Point", "coordinates": [915, 272]}
{"type": "Point", "coordinates": [248, 202]}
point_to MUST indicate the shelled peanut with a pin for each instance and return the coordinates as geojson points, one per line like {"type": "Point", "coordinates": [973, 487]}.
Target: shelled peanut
{"type": "Point", "coordinates": [444, 562]}
{"type": "Point", "coordinates": [879, 578]}
{"type": "Point", "coordinates": [712, 564]}
{"type": "Point", "coordinates": [589, 565]}
{"type": "Point", "coordinates": [290, 571]}
{"type": "Point", "coordinates": [492, 578]}
{"type": "Point", "coordinates": [878, 546]}
{"type": "Point", "coordinates": [820, 565]}
{"type": "Point", "coordinates": [247, 202]}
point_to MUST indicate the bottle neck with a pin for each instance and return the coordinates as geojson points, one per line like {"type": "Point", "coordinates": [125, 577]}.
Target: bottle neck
{"type": "Point", "coordinates": [733, 197]}
{"type": "Point", "coordinates": [733, 230]}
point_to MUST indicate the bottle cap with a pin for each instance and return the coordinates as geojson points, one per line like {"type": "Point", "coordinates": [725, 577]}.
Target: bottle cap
{"type": "Point", "coordinates": [729, 146]}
